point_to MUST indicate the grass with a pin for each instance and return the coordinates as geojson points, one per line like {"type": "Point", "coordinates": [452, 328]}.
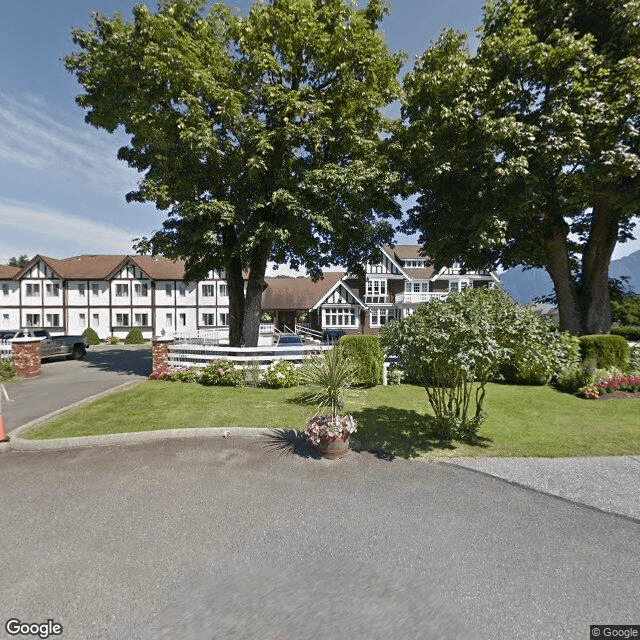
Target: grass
{"type": "Point", "coordinates": [521, 421]}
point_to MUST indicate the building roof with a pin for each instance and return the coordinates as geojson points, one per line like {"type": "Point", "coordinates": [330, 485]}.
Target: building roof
{"type": "Point", "coordinates": [422, 273]}
{"type": "Point", "coordinates": [86, 267]}
{"type": "Point", "coordinates": [6, 272]}
{"type": "Point", "coordinates": [405, 251]}
{"type": "Point", "coordinates": [297, 293]}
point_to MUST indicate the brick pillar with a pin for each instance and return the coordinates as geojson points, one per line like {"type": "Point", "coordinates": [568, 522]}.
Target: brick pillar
{"type": "Point", "coordinates": [160, 353]}
{"type": "Point", "coordinates": [26, 357]}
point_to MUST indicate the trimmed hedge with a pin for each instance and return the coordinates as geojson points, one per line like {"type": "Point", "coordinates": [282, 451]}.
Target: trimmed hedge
{"type": "Point", "coordinates": [630, 333]}
{"type": "Point", "coordinates": [134, 337]}
{"type": "Point", "coordinates": [605, 351]}
{"type": "Point", "coordinates": [91, 336]}
{"type": "Point", "coordinates": [366, 354]}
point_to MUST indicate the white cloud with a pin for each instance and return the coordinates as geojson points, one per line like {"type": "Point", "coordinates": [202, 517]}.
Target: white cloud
{"type": "Point", "coordinates": [33, 135]}
{"type": "Point", "coordinates": [30, 228]}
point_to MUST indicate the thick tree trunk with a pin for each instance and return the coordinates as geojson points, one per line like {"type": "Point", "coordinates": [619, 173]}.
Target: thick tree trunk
{"type": "Point", "coordinates": [595, 303]}
{"type": "Point", "coordinates": [555, 245]}
{"type": "Point", "coordinates": [253, 297]}
{"type": "Point", "coordinates": [235, 285]}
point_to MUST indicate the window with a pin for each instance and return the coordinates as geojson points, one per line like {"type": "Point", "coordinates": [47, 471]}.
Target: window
{"type": "Point", "coordinates": [95, 289]}
{"type": "Point", "coordinates": [53, 289]}
{"type": "Point", "coordinates": [208, 290]}
{"type": "Point", "coordinates": [209, 319]}
{"type": "Point", "coordinates": [5, 289]}
{"type": "Point", "coordinates": [122, 319]}
{"type": "Point", "coordinates": [122, 290]}
{"type": "Point", "coordinates": [224, 319]}
{"type": "Point", "coordinates": [380, 317]}
{"type": "Point", "coordinates": [32, 290]}
{"type": "Point", "coordinates": [223, 290]}
{"type": "Point", "coordinates": [5, 319]}
{"type": "Point", "coordinates": [339, 317]}
{"type": "Point", "coordinates": [168, 289]}
{"type": "Point", "coordinates": [81, 290]}
{"type": "Point", "coordinates": [376, 287]}
{"type": "Point", "coordinates": [141, 319]}
{"type": "Point", "coordinates": [141, 290]}
{"type": "Point", "coordinates": [183, 290]}
{"type": "Point", "coordinates": [82, 319]}
{"type": "Point", "coordinates": [183, 319]}
{"type": "Point", "coordinates": [168, 321]}
{"type": "Point", "coordinates": [414, 263]}
{"type": "Point", "coordinates": [416, 287]}
{"type": "Point", "coordinates": [33, 319]}
{"type": "Point", "coordinates": [95, 320]}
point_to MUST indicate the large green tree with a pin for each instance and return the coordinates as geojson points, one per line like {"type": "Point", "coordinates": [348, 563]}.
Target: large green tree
{"type": "Point", "coordinates": [260, 135]}
{"type": "Point", "coordinates": [20, 261]}
{"type": "Point", "coordinates": [527, 151]}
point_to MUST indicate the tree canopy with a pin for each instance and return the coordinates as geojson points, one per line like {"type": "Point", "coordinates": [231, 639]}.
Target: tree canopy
{"type": "Point", "coordinates": [261, 136]}
{"type": "Point", "coordinates": [528, 151]}
{"type": "Point", "coordinates": [20, 261]}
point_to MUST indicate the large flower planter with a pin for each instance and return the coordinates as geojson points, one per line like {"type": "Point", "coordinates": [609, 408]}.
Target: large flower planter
{"type": "Point", "coordinates": [332, 449]}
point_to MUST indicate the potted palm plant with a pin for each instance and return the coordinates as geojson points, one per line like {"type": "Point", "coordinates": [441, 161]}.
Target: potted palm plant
{"type": "Point", "coordinates": [329, 378]}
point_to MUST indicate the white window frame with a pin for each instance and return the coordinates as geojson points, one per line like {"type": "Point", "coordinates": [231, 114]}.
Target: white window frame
{"type": "Point", "coordinates": [95, 289]}
{"type": "Point", "coordinates": [208, 290]}
{"type": "Point", "coordinates": [208, 319]}
{"type": "Point", "coordinates": [32, 290]}
{"type": "Point", "coordinates": [5, 289]}
{"type": "Point", "coordinates": [122, 320]}
{"type": "Point", "coordinates": [377, 314]}
{"type": "Point", "coordinates": [141, 289]}
{"type": "Point", "coordinates": [95, 320]}
{"type": "Point", "coordinates": [141, 319]}
{"type": "Point", "coordinates": [339, 316]}
{"type": "Point", "coordinates": [53, 289]}
{"type": "Point", "coordinates": [224, 318]}
{"type": "Point", "coordinates": [32, 320]}
{"type": "Point", "coordinates": [122, 290]}
{"type": "Point", "coordinates": [82, 320]}
{"type": "Point", "coordinates": [168, 289]}
{"type": "Point", "coordinates": [377, 287]}
{"type": "Point", "coordinates": [168, 320]}
{"type": "Point", "coordinates": [182, 317]}
{"type": "Point", "coordinates": [224, 291]}
{"type": "Point", "coordinates": [81, 290]}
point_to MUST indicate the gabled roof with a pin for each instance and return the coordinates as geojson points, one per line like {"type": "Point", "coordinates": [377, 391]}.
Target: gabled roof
{"type": "Point", "coordinates": [7, 272]}
{"type": "Point", "coordinates": [86, 267]}
{"type": "Point", "coordinates": [405, 251]}
{"type": "Point", "coordinates": [297, 293]}
{"type": "Point", "coordinates": [347, 289]}
{"type": "Point", "coordinates": [419, 273]}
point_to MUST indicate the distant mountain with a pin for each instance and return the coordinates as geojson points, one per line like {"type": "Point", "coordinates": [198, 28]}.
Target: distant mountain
{"type": "Point", "coordinates": [524, 286]}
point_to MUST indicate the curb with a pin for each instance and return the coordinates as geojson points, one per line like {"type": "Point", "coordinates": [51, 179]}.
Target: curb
{"type": "Point", "coordinates": [136, 437]}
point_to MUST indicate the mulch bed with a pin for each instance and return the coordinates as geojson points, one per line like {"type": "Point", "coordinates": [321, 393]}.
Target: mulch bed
{"type": "Point", "coordinates": [619, 395]}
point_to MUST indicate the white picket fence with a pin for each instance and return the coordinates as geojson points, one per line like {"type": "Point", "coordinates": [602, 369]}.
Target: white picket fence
{"type": "Point", "coordinates": [192, 354]}
{"type": "Point", "coordinates": [5, 349]}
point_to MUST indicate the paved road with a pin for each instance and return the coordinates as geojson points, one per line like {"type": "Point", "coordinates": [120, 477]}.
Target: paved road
{"type": "Point", "coordinates": [231, 538]}
{"type": "Point", "coordinates": [63, 382]}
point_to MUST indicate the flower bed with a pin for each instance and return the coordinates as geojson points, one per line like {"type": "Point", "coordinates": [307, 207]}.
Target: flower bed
{"type": "Point", "coordinates": [616, 386]}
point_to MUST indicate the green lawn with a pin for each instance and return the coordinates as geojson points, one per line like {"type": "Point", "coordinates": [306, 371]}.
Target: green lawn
{"type": "Point", "coordinates": [521, 421]}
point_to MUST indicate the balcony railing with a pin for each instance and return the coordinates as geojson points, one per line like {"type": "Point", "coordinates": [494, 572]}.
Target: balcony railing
{"type": "Point", "coordinates": [415, 298]}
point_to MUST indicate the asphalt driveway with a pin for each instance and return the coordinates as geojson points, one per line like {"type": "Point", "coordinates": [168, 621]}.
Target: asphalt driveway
{"type": "Point", "coordinates": [63, 382]}
{"type": "Point", "coordinates": [237, 538]}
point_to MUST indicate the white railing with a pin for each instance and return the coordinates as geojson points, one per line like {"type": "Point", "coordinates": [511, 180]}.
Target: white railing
{"type": "Point", "coordinates": [306, 330]}
{"type": "Point", "coordinates": [413, 297]}
{"type": "Point", "coordinates": [267, 327]}
{"type": "Point", "coordinates": [190, 354]}
{"type": "Point", "coordinates": [207, 336]}
{"type": "Point", "coordinates": [5, 349]}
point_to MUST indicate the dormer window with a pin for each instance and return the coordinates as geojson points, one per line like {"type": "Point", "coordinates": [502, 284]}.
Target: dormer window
{"type": "Point", "coordinates": [414, 264]}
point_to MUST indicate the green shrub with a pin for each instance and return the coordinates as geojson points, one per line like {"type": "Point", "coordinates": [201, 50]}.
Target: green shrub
{"type": "Point", "coordinates": [606, 350]}
{"type": "Point", "coordinates": [634, 359]}
{"type": "Point", "coordinates": [134, 336]}
{"type": "Point", "coordinates": [224, 374]}
{"type": "Point", "coordinates": [7, 371]}
{"type": "Point", "coordinates": [113, 340]}
{"type": "Point", "coordinates": [281, 375]}
{"type": "Point", "coordinates": [191, 374]}
{"type": "Point", "coordinates": [91, 336]}
{"type": "Point", "coordinates": [367, 357]}
{"type": "Point", "coordinates": [629, 333]}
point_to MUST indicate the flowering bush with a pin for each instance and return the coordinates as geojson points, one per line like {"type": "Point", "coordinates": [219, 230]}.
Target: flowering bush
{"type": "Point", "coordinates": [223, 373]}
{"type": "Point", "coordinates": [281, 375]}
{"type": "Point", "coordinates": [160, 375]}
{"type": "Point", "coordinates": [329, 428]}
{"type": "Point", "coordinates": [629, 383]}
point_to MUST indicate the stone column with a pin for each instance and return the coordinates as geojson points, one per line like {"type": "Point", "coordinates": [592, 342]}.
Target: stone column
{"type": "Point", "coordinates": [26, 354]}
{"type": "Point", "coordinates": [160, 353]}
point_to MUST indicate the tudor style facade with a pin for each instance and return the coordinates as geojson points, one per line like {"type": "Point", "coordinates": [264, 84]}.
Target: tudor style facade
{"type": "Point", "coordinates": [113, 293]}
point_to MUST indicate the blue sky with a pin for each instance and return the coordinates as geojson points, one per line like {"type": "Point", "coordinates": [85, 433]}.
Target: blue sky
{"type": "Point", "coordinates": [61, 187]}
